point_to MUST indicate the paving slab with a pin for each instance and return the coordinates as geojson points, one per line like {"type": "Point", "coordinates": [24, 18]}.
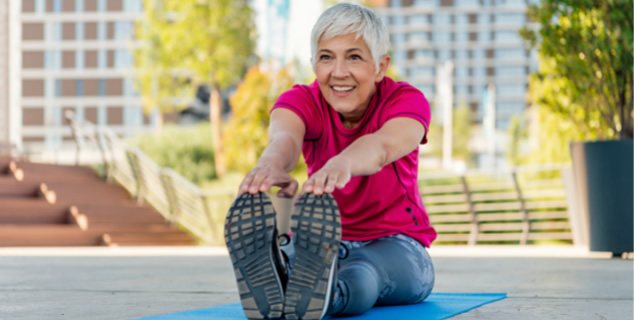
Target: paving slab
{"type": "Point", "coordinates": [88, 283]}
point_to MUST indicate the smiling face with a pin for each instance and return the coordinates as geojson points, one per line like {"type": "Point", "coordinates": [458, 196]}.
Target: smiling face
{"type": "Point", "coordinates": [346, 73]}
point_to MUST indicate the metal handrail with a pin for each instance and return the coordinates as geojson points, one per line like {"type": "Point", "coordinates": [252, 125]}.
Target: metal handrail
{"type": "Point", "coordinates": [179, 201]}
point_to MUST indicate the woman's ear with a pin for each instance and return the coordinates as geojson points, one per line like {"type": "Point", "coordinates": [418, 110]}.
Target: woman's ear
{"type": "Point", "coordinates": [384, 63]}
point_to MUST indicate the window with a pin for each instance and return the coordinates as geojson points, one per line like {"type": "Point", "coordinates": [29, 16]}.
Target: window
{"type": "Point", "coordinates": [508, 36]}
{"type": "Point", "coordinates": [101, 5]}
{"type": "Point", "coordinates": [441, 19]}
{"type": "Point", "coordinates": [510, 54]}
{"type": "Point", "coordinates": [514, 3]}
{"type": "Point", "coordinates": [57, 6]}
{"type": "Point", "coordinates": [442, 37]}
{"type": "Point", "coordinates": [479, 54]}
{"type": "Point", "coordinates": [462, 37]}
{"type": "Point", "coordinates": [510, 18]}
{"type": "Point", "coordinates": [424, 54]}
{"type": "Point", "coordinates": [123, 30]}
{"type": "Point", "coordinates": [133, 6]}
{"type": "Point", "coordinates": [518, 89]}
{"type": "Point", "coordinates": [128, 88]}
{"type": "Point", "coordinates": [419, 36]}
{"type": "Point", "coordinates": [40, 6]}
{"type": "Point", "coordinates": [101, 30]}
{"type": "Point", "coordinates": [399, 38]}
{"type": "Point", "coordinates": [484, 18]}
{"type": "Point", "coordinates": [122, 59]}
{"type": "Point", "coordinates": [427, 89]}
{"type": "Point", "coordinates": [462, 90]}
{"type": "Point", "coordinates": [444, 55]}
{"type": "Point", "coordinates": [101, 87]}
{"type": "Point", "coordinates": [422, 72]}
{"type": "Point", "coordinates": [484, 36]}
{"type": "Point", "coordinates": [462, 18]}
{"type": "Point", "coordinates": [52, 59]}
{"type": "Point", "coordinates": [427, 3]}
{"type": "Point", "coordinates": [461, 72]}
{"type": "Point", "coordinates": [79, 59]}
{"type": "Point", "coordinates": [79, 5]}
{"type": "Point", "coordinates": [511, 107]}
{"type": "Point", "coordinates": [467, 3]}
{"type": "Point", "coordinates": [399, 20]}
{"type": "Point", "coordinates": [399, 55]}
{"type": "Point", "coordinates": [462, 54]}
{"type": "Point", "coordinates": [102, 59]}
{"type": "Point", "coordinates": [79, 87]}
{"type": "Point", "coordinates": [510, 71]}
{"type": "Point", "coordinates": [79, 31]}
{"type": "Point", "coordinates": [132, 116]}
{"type": "Point", "coordinates": [419, 19]}
{"type": "Point", "coordinates": [479, 72]}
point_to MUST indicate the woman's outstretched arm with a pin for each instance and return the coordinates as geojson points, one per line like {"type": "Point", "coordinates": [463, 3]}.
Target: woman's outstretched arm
{"type": "Point", "coordinates": [367, 155]}
{"type": "Point", "coordinates": [286, 134]}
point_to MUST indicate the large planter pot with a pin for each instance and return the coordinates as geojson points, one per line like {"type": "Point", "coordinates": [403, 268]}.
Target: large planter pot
{"type": "Point", "coordinates": [603, 176]}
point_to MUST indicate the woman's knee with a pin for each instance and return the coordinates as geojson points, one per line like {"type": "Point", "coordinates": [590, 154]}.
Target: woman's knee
{"type": "Point", "coordinates": [361, 286]}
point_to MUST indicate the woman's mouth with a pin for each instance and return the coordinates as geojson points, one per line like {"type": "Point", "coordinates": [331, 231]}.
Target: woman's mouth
{"type": "Point", "coordinates": [342, 91]}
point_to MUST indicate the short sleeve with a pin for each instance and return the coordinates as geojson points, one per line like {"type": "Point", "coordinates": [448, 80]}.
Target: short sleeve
{"type": "Point", "coordinates": [300, 100]}
{"type": "Point", "coordinates": [407, 101]}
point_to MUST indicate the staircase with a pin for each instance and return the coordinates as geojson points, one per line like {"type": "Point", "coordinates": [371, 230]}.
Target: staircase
{"type": "Point", "coordinates": [56, 205]}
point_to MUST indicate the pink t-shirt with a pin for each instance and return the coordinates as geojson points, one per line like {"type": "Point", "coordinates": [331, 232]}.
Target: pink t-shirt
{"type": "Point", "coordinates": [387, 202]}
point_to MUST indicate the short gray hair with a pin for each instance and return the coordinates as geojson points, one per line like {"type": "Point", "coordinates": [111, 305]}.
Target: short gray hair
{"type": "Point", "coordinates": [346, 18]}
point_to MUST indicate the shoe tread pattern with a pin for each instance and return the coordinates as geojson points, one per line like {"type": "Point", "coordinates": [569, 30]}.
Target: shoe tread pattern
{"type": "Point", "coordinates": [249, 231]}
{"type": "Point", "coordinates": [316, 229]}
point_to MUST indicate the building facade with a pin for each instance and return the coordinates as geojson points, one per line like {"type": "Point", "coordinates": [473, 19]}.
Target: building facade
{"type": "Point", "coordinates": [75, 55]}
{"type": "Point", "coordinates": [479, 37]}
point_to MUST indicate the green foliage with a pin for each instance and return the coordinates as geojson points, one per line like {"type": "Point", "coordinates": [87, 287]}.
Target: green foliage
{"type": "Point", "coordinates": [517, 132]}
{"type": "Point", "coordinates": [460, 135]}
{"type": "Point", "coordinates": [206, 41]}
{"type": "Point", "coordinates": [585, 74]}
{"type": "Point", "coordinates": [186, 150]}
{"type": "Point", "coordinates": [245, 134]}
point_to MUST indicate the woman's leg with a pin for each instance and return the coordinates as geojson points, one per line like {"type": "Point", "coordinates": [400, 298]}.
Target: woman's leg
{"type": "Point", "coordinates": [387, 271]}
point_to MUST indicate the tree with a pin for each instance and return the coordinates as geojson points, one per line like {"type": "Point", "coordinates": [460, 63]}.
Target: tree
{"type": "Point", "coordinates": [185, 42]}
{"type": "Point", "coordinates": [245, 135]}
{"type": "Point", "coordinates": [585, 73]}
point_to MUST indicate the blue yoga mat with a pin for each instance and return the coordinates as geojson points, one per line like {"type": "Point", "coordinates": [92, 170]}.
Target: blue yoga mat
{"type": "Point", "coordinates": [436, 306]}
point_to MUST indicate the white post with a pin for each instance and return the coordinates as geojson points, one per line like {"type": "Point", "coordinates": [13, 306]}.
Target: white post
{"type": "Point", "coordinates": [444, 101]}
{"type": "Point", "coordinates": [15, 83]}
{"type": "Point", "coordinates": [488, 122]}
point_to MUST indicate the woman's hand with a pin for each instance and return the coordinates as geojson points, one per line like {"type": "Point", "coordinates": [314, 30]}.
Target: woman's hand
{"type": "Point", "coordinates": [336, 173]}
{"type": "Point", "coordinates": [263, 177]}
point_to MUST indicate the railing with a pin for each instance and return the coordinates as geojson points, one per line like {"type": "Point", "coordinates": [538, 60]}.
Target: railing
{"type": "Point", "coordinates": [180, 202]}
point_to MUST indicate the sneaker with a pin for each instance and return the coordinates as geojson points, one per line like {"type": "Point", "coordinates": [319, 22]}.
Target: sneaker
{"type": "Point", "coordinates": [316, 229]}
{"type": "Point", "coordinates": [251, 237]}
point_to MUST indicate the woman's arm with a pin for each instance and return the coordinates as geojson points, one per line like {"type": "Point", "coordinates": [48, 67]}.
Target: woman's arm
{"type": "Point", "coordinates": [286, 134]}
{"type": "Point", "coordinates": [367, 155]}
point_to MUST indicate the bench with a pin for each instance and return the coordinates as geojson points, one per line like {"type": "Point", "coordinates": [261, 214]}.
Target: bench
{"type": "Point", "coordinates": [522, 206]}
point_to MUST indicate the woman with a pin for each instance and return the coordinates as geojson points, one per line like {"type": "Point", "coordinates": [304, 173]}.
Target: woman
{"type": "Point", "coordinates": [359, 228]}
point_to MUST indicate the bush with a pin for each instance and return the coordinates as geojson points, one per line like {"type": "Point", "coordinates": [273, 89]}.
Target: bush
{"type": "Point", "coordinates": [186, 150]}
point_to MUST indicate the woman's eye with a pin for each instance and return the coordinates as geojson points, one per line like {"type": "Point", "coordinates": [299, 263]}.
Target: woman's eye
{"type": "Point", "coordinates": [324, 57]}
{"type": "Point", "coordinates": [355, 57]}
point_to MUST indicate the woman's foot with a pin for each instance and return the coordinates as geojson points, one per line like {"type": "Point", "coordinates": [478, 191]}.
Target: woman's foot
{"type": "Point", "coordinates": [316, 229]}
{"type": "Point", "coordinates": [251, 238]}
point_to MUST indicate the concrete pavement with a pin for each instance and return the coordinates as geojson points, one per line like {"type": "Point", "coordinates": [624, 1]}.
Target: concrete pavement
{"type": "Point", "coordinates": [127, 283]}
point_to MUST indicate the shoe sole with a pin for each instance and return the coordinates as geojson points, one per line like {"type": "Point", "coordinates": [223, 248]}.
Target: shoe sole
{"type": "Point", "coordinates": [249, 232]}
{"type": "Point", "coordinates": [316, 228]}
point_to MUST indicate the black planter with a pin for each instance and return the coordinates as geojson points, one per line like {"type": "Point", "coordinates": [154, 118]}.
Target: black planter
{"type": "Point", "coordinates": [604, 177]}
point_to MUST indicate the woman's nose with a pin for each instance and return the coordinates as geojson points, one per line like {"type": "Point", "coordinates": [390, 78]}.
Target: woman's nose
{"type": "Point", "coordinates": [341, 69]}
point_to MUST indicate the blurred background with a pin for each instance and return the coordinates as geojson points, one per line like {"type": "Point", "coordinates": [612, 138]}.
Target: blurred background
{"type": "Point", "coordinates": [190, 84]}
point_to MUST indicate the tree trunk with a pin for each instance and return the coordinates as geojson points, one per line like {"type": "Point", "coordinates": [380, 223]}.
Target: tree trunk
{"type": "Point", "coordinates": [215, 107]}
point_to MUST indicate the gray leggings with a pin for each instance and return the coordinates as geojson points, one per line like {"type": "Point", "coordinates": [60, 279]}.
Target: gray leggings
{"type": "Point", "coordinates": [391, 270]}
